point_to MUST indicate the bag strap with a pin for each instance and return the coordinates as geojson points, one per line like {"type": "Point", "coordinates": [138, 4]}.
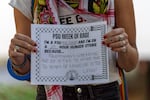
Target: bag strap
{"type": "Point", "coordinates": [32, 7]}
{"type": "Point", "coordinates": [123, 86]}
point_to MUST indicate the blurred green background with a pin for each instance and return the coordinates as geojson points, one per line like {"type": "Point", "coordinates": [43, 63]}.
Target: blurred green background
{"type": "Point", "coordinates": [17, 92]}
{"type": "Point", "coordinates": [11, 89]}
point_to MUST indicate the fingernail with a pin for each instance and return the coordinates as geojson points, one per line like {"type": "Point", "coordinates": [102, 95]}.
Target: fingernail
{"type": "Point", "coordinates": [34, 50]}
{"type": "Point", "coordinates": [35, 44]}
{"type": "Point", "coordinates": [104, 36]}
{"type": "Point", "coordinates": [107, 45]}
{"type": "Point", "coordinates": [103, 42]}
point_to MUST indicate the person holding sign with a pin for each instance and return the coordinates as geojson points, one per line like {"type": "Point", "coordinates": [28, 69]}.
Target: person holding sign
{"type": "Point", "coordinates": [120, 41]}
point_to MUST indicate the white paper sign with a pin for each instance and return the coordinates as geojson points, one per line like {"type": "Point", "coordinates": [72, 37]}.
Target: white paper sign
{"type": "Point", "coordinates": [69, 54]}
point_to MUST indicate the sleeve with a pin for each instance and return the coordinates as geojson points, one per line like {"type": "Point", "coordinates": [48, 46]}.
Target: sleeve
{"type": "Point", "coordinates": [23, 6]}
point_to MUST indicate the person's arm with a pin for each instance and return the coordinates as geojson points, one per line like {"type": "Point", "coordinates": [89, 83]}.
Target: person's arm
{"type": "Point", "coordinates": [22, 23]}
{"type": "Point", "coordinates": [23, 41]}
{"type": "Point", "coordinates": [125, 19]}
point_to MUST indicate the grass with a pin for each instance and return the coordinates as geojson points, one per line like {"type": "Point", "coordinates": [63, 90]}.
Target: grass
{"type": "Point", "coordinates": [17, 92]}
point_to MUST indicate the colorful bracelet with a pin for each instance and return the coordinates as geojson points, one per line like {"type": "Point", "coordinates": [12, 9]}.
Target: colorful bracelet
{"type": "Point", "coordinates": [21, 65]}
{"type": "Point", "coordinates": [14, 74]}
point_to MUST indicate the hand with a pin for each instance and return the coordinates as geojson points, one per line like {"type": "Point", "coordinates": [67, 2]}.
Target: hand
{"type": "Point", "coordinates": [117, 40]}
{"type": "Point", "coordinates": [21, 45]}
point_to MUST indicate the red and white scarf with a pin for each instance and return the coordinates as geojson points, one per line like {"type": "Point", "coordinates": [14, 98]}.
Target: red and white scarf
{"type": "Point", "coordinates": [56, 11]}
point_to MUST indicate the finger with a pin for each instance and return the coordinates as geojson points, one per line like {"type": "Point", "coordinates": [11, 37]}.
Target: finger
{"type": "Point", "coordinates": [121, 49]}
{"type": "Point", "coordinates": [23, 44]}
{"type": "Point", "coordinates": [114, 39]}
{"type": "Point", "coordinates": [114, 32]}
{"type": "Point", "coordinates": [118, 44]}
{"type": "Point", "coordinates": [14, 54]}
{"type": "Point", "coordinates": [22, 50]}
{"type": "Point", "coordinates": [121, 37]}
{"type": "Point", "coordinates": [25, 38]}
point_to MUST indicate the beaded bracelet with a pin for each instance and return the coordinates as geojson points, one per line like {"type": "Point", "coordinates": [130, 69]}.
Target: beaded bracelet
{"type": "Point", "coordinates": [21, 65]}
{"type": "Point", "coordinates": [14, 74]}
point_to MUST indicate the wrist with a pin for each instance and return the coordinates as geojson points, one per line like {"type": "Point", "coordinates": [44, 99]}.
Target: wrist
{"type": "Point", "coordinates": [16, 75]}
{"type": "Point", "coordinates": [20, 65]}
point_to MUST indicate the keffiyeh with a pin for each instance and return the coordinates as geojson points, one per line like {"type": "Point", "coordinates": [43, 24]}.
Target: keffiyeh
{"type": "Point", "coordinates": [71, 12]}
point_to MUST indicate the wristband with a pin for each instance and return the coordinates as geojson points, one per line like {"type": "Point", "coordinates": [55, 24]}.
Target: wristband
{"type": "Point", "coordinates": [14, 74]}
